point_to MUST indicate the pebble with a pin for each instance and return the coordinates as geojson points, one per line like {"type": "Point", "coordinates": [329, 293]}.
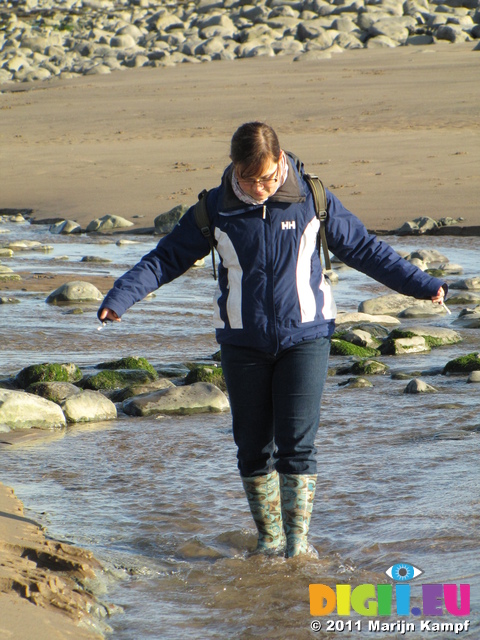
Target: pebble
{"type": "Point", "coordinates": [64, 38]}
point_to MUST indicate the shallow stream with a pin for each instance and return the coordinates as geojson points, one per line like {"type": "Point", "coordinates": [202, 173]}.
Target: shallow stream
{"type": "Point", "coordinates": [159, 501]}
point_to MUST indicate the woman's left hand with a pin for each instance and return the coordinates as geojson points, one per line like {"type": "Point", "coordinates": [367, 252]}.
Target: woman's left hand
{"type": "Point", "coordinates": [438, 298]}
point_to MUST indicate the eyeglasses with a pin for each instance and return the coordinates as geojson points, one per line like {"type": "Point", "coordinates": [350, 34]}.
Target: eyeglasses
{"type": "Point", "coordinates": [265, 183]}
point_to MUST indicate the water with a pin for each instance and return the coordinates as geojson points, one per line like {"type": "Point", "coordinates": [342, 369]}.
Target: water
{"type": "Point", "coordinates": [160, 503]}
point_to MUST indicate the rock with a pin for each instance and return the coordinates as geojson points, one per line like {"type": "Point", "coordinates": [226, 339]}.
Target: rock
{"type": "Point", "coordinates": [391, 304]}
{"type": "Point", "coordinates": [96, 259]}
{"type": "Point", "coordinates": [422, 309]}
{"type": "Point", "coordinates": [416, 227]}
{"type": "Point", "coordinates": [118, 378]}
{"type": "Point", "coordinates": [343, 348]}
{"type": "Point", "coordinates": [400, 346]}
{"type": "Point", "coordinates": [55, 391]}
{"type": "Point", "coordinates": [140, 389]}
{"type": "Point", "coordinates": [418, 386]}
{"type": "Point", "coordinates": [468, 319]}
{"type": "Point", "coordinates": [6, 253]}
{"type": "Point", "coordinates": [75, 291]}
{"type": "Point", "coordinates": [469, 284]}
{"type": "Point", "coordinates": [464, 298]}
{"type": "Point", "coordinates": [130, 362]}
{"type": "Point", "coordinates": [434, 337]}
{"type": "Point", "coordinates": [429, 256]}
{"type": "Point", "coordinates": [8, 300]}
{"type": "Point", "coordinates": [107, 223]}
{"type": "Point", "coordinates": [360, 338]}
{"type": "Point", "coordinates": [369, 367]}
{"type": "Point", "coordinates": [8, 274]}
{"type": "Point", "coordinates": [21, 410]}
{"type": "Point", "coordinates": [165, 222]}
{"type": "Point", "coordinates": [474, 376]}
{"type": "Point", "coordinates": [356, 383]}
{"type": "Point", "coordinates": [200, 397]}
{"type": "Point", "coordinates": [202, 373]}
{"type": "Point", "coordinates": [48, 372]}
{"type": "Point", "coordinates": [88, 406]}
{"type": "Point", "coordinates": [66, 227]}
{"type": "Point", "coordinates": [355, 317]}
{"type": "Point", "coordinates": [463, 364]}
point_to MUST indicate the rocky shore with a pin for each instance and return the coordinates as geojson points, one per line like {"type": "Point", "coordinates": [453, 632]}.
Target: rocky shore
{"type": "Point", "coordinates": [56, 577]}
{"type": "Point", "coordinates": [41, 39]}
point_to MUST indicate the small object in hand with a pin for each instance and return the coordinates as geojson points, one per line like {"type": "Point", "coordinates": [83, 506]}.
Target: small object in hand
{"type": "Point", "coordinates": [446, 308]}
{"type": "Point", "coordinates": [104, 324]}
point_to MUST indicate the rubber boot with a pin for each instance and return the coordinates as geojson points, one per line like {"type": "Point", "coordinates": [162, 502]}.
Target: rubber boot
{"type": "Point", "coordinates": [263, 495]}
{"type": "Point", "coordinates": [297, 493]}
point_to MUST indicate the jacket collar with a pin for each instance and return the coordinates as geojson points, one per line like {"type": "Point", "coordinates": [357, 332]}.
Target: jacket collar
{"type": "Point", "coordinates": [293, 190]}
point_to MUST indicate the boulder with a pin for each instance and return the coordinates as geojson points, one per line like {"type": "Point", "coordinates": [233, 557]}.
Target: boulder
{"type": "Point", "coordinates": [463, 364]}
{"type": "Point", "coordinates": [88, 406]}
{"type": "Point", "coordinates": [356, 383]}
{"type": "Point", "coordinates": [344, 348]}
{"type": "Point", "coordinates": [165, 222]}
{"type": "Point", "coordinates": [65, 227]}
{"type": "Point", "coordinates": [211, 374]}
{"type": "Point", "coordinates": [418, 386]}
{"type": "Point", "coordinates": [200, 397]}
{"type": "Point", "coordinates": [434, 337]}
{"type": "Point", "coordinates": [355, 317]}
{"type": "Point", "coordinates": [140, 389]}
{"type": "Point", "coordinates": [468, 284]}
{"type": "Point", "coordinates": [400, 346]}
{"type": "Point", "coordinates": [21, 410]}
{"type": "Point", "coordinates": [118, 378]}
{"type": "Point", "coordinates": [474, 376]}
{"type": "Point", "coordinates": [468, 319]}
{"type": "Point", "coordinates": [48, 372]}
{"type": "Point", "coordinates": [391, 304]}
{"type": "Point", "coordinates": [107, 223]}
{"type": "Point", "coordinates": [54, 391]}
{"type": "Point", "coordinates": [75, 291]}
{"type": "Point", "coordinates": [417, 227]}
{"type": "Point", "coordinates": [129, 362]}
{"type": "Point", "coordinates": [360, 338]}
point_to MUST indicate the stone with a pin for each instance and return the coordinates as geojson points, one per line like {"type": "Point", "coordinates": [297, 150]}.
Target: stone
{"type": "Point", "coordinates": [200, 397]}
{"type": "Point", "coordinates": [391, 304]}
{"type": "Point", "coordinates": [423, 309]}
{"type": "Point", "coordinates": [75, 291]}
{"type": "Point", "coordinates": [165, 222]}
{"type": "Point", "coordinates": [117, 379]}
{"type": "Point", "coordinates": [463, 364]}
{"type": "Point", "coordinates": [474, 376]}
{"type": "Point", "coordinates": [359, 337]}
{"type": "Point", "coordinates": [418, 226]}
{"type": "Point", "coordinates": [344, 348]}
{"type": "Point", "coordinates": [129, 362]}
{"type": "Point", "coordinates": [356, 383]}
{"type": "Point", "coordinates": [107, 223]}
{"type": "Point", "coordinates": [21, 410]}
{"type": "Point", "coordinates": [211, 374]}
{"type": "Point", "coordinates": [419, 386]}
{"type": "Point", "coordinates": [345, 317]}
{"type": "Point", "coordinates": [140, 389]}
{"type": "Point", "coordinates": [48, 372]}
{"type": "Point", "coordinates": [88, 406]}
{"type": "Point", "coordinates": [65, 227]}
{"type": "Point", "coordinates": [401, 346]}
{"type": "Point", "coordinates": [468, 319]}
{"type": "Point", "coordinates": [433, 336]}
{"type": "Point", "coordinates": [466, 297]}
{"type": "Point", "coordinates": [469, 284]}
{"type": "Point", "coordinates": [54, 391]}
{"type": "Point", "coordinates": [122, 42]}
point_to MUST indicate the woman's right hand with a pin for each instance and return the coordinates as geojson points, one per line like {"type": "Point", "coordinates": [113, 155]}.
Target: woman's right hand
{"type": "Point", "coordinates": [107, 314]}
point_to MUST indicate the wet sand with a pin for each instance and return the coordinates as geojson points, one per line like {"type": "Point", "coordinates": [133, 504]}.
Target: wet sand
{"type": "Point", "coordinates": [394, 133]}
{"type": "Point", "coordinates": [46, 574]}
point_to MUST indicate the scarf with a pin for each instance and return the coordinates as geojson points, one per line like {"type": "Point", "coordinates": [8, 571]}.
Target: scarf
{"type": "Point", "coordinates": [247, 199]}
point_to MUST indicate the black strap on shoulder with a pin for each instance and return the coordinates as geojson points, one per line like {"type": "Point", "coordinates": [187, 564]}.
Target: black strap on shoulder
{"type": "Point", "coordinates": [203, 223]}
{"type": "Point", "coordinates": [320, 201]}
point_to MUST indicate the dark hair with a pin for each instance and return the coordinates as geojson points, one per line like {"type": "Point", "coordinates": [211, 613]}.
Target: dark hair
{"type": "Point", "coordinates": [253, 145]}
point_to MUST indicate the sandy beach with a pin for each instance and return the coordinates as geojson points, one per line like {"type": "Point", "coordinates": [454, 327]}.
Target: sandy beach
{"type": "Point", "coordinates": [394, 133]}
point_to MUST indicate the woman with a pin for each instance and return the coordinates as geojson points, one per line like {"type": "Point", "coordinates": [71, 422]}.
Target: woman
{"type": "Point", "coordinates": [274, 317]}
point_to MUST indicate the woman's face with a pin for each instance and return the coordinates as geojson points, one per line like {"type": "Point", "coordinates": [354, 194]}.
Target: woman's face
{"type": "Point", "coordinates": [262, 185]}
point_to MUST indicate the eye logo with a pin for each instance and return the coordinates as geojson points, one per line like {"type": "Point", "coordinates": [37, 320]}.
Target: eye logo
{"type": "Point", "coordinates": [403, 572]}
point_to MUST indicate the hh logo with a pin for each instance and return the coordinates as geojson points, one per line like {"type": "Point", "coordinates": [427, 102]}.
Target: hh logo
{"type": "Point", "coordinates": [290, 224]}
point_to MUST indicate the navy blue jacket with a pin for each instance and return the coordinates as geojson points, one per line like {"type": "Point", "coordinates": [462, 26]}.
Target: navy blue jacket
{"type": "Point", "coordinates": [272, 293]}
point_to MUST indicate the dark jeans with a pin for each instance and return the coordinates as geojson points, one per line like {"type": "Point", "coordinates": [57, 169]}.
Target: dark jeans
{"type": "Point", "coordinates": [275, 402]}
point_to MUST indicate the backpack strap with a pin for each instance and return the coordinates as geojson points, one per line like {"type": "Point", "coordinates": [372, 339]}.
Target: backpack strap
{"type": "Point", "coordinates": [203, 223]}
{"type": "Point", "coordinates": [320, 201]}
